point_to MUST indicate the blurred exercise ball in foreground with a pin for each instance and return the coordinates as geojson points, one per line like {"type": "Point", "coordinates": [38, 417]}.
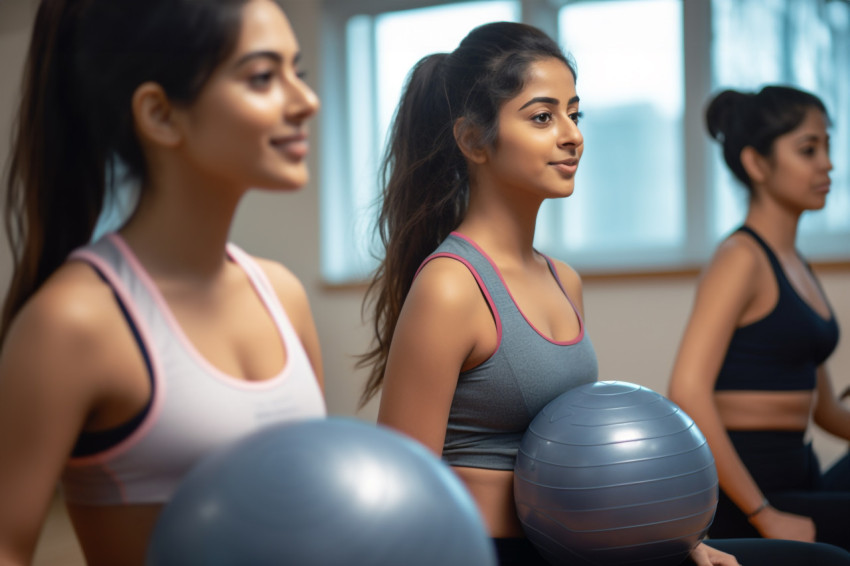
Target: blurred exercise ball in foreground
{"type": "Point", "coordinates": [326, 492]}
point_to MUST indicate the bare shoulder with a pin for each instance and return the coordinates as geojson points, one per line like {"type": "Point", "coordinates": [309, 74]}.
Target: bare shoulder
{"type": "Point", "coordinates": [738, 259]}
{"type": "Point", "coordinates": [731, 284]}
{"type": "Point", "coordinates": [570, 278]}
{"type": "Point", "coordinates": [73, 309]}
{"type": "Point", "coordinates": [287, 286]}
{"type": "Point", "coordinates": [445, 283]}
{"type": "Point", "coordinates": [293, 297]}
{"type": "Point", "coordinates": [75, 318]}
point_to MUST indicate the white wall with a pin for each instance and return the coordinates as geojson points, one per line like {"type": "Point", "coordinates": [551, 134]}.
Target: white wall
{"type": "Point", "coordinates": [635, 323]}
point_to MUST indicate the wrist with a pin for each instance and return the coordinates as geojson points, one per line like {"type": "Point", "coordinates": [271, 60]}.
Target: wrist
{"type": "Point", "coordinates": [762, 506]}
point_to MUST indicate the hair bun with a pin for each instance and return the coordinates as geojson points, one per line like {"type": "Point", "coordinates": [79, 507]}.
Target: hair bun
{"type": "Point", "coordinates": [724, 113]}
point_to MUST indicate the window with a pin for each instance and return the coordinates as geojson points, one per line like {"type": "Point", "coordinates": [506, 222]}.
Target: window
{"type": "Point", "coordinates": [805, 44]}
{"type": "Point", "coordinates": [652, 191]}
{"type": "Point", "coordinates": [628, 200]}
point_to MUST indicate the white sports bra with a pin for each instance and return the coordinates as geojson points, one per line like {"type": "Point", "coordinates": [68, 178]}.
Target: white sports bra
{"type": "Point", "coordinates": [194, 407]}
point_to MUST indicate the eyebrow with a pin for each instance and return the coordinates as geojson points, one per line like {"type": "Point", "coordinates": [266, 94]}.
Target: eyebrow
{"type": "Point", "coordinates": [806, 138]}
{"type": "Point", "coordinates": [548, 100]}
{"type": "Point", "coordinates": [274, 55]}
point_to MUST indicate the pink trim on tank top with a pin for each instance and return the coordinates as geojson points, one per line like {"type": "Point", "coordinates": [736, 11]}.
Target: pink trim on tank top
{"type": "Point", "coordinates": [190, 348]}
{"type": "Point", "coordinates": [159, 386]}
{"type": "Point", "coordinates": [481, 286]}
{"type": "Point", "coordinates": [575, 340]}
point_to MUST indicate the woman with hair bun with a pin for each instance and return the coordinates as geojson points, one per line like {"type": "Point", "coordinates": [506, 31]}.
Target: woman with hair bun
{"type": "Point", "coordinates": [751, 367]}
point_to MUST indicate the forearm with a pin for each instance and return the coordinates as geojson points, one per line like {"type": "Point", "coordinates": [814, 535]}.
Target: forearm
{"type": "Point", "coordinates": [734, 478]}
{"type": "Point", "coordinates": [14, 555]}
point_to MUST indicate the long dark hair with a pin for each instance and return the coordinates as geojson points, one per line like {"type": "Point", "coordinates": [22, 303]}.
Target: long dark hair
{"type": "Point", "coordinates": [74, 126]}
{"type": "Point", "coordinates": [424, 173]}
{"type": "Point", "coordinates": [755, 119]}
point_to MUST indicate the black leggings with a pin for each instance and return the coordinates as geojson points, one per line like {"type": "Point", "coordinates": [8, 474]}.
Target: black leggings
{"type": "Point", "coordinates": [788, 473]}
{"type": "Point", "coordinates": [749, 552]}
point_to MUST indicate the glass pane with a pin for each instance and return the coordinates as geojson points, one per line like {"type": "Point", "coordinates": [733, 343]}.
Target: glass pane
{"type": "Point", "coordinates": [629, 188]}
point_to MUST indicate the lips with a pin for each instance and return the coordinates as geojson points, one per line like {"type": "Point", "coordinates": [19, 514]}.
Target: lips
{"type": "Point", "coordinates": [566, 167]}
{"type": "Point", "coordinates": [823, 186]}
{"type": "Point", "coordinates": [295, 146]}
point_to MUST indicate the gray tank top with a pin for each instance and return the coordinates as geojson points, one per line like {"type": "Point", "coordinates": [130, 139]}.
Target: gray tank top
{"type": "Point", "coordinates": [495, 402]}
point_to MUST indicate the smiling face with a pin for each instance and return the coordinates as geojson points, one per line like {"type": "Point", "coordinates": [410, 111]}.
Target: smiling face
{"type": "Point", "coordinates": [539, 144]}
{"type": "Point", "coordinates": [247, 127]}
{"type": "Point", "coordinates": [796, 175]}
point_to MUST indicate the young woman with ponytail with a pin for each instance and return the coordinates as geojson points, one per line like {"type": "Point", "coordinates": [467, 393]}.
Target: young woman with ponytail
{"type": "Point", "coordinates": [475, 330]}
{"type": "Point", "coordinates": [751, 368]}
{"type": "Point", "coordinates": [125, 360]}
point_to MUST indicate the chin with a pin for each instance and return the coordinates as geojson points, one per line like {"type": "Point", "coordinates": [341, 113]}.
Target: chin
{"type": "Point", "coordinates": [568, 192]}
{"type": "Point", "coordinates": [285, 183]}
{"type": "Point", "coordinates": [818, 205]}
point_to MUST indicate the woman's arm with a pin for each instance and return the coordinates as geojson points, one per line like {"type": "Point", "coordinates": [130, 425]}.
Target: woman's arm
{"type": "Point", "coordinates": [444, 327]}
{"type": "Point", "coordinates": [727, 288]}
{"type": "Point", "coordinates": [55, 366]}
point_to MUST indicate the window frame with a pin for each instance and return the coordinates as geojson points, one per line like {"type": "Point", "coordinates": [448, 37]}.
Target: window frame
{"type": "Point", "coordinates": [699, 151]}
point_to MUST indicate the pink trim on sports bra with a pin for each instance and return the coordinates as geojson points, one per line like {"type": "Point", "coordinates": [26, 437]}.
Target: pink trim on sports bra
{"type": "Point", "coordinates": [481, 286]}
{"type": "Point", "coordinates": [575, 340]}
{"type": "Point", "coordinates": [190, 348]}
{"type": "Point", "coordinates": [159, 385]}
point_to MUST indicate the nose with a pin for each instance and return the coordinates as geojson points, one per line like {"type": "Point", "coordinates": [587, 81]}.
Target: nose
{"type": "Point", "coordinates": [301, 101]}
{"type": "Point", "coordinates": [570, 134]}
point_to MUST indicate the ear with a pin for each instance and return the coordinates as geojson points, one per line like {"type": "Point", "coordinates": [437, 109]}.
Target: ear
{"type": "Point", "coordinates": [468, 140]}
{"type": "Point", "coordinates": [153, 116]}
{"type": "Point", "coordinates": [755, 164]}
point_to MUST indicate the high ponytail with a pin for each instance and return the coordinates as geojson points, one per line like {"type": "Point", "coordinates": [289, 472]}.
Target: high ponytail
{"type": "Point", "coordinates": [74, 128]}
{"type": "Point", "coordinates": [743, 119]}
{"type": "Point", "coordinates": [55, 183]}
{"type": "Point", "coordinates": [425, 175]}
{"type": "Point", "coordinates": [424, 198]}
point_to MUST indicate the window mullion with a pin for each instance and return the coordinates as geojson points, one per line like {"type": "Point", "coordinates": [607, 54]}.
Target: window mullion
{"type": "Point", "coordinates": [699, 181]}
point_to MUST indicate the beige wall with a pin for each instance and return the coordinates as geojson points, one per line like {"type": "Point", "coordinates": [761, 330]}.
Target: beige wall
{"type": "Point", "coordinates": [635, 323]}
{"type": "Point", "coordinates": [15, 22]}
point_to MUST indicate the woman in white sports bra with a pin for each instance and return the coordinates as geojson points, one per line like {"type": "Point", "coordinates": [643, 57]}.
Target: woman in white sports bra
{"type": "Point", "coordinates": [126, 359]}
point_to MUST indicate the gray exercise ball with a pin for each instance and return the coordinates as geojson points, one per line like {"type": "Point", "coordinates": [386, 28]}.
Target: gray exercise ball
{"type": "Point", "coordinates": [327, 492]}
{"type": "Point", "coordinates": [613, 473]}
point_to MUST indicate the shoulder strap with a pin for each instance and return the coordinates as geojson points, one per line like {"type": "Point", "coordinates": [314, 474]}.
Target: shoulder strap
{"type": "Point", "coordinates": [774, 262]}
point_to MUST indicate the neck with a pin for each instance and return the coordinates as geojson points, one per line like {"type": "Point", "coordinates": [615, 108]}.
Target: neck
{"type": "Point", "coordinates": [181, 226]}
{"type": "Point", "coordinates": [777, 225]}
{"type": "Point", "coordinates": [503, 226]}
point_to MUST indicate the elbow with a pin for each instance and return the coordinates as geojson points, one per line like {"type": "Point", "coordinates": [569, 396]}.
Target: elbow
{"type": "Point", "coordinates": [677, 393]}
{"type": "Point", "coordinates": [824, 419]}
{"type": "Point", "coordinates": [684, 396]}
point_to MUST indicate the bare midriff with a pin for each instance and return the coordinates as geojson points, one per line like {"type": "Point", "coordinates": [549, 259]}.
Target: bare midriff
{"type": "Point", "coordinates": [493, 492]}
{"type": "Point", "coordinates": [114, 534]}
{"type": "Point", "coordinates": [764, 410]}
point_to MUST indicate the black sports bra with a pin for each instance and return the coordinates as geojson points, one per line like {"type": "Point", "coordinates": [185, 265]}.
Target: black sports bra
{"type": "Point", "coordinates": [782, 351]}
